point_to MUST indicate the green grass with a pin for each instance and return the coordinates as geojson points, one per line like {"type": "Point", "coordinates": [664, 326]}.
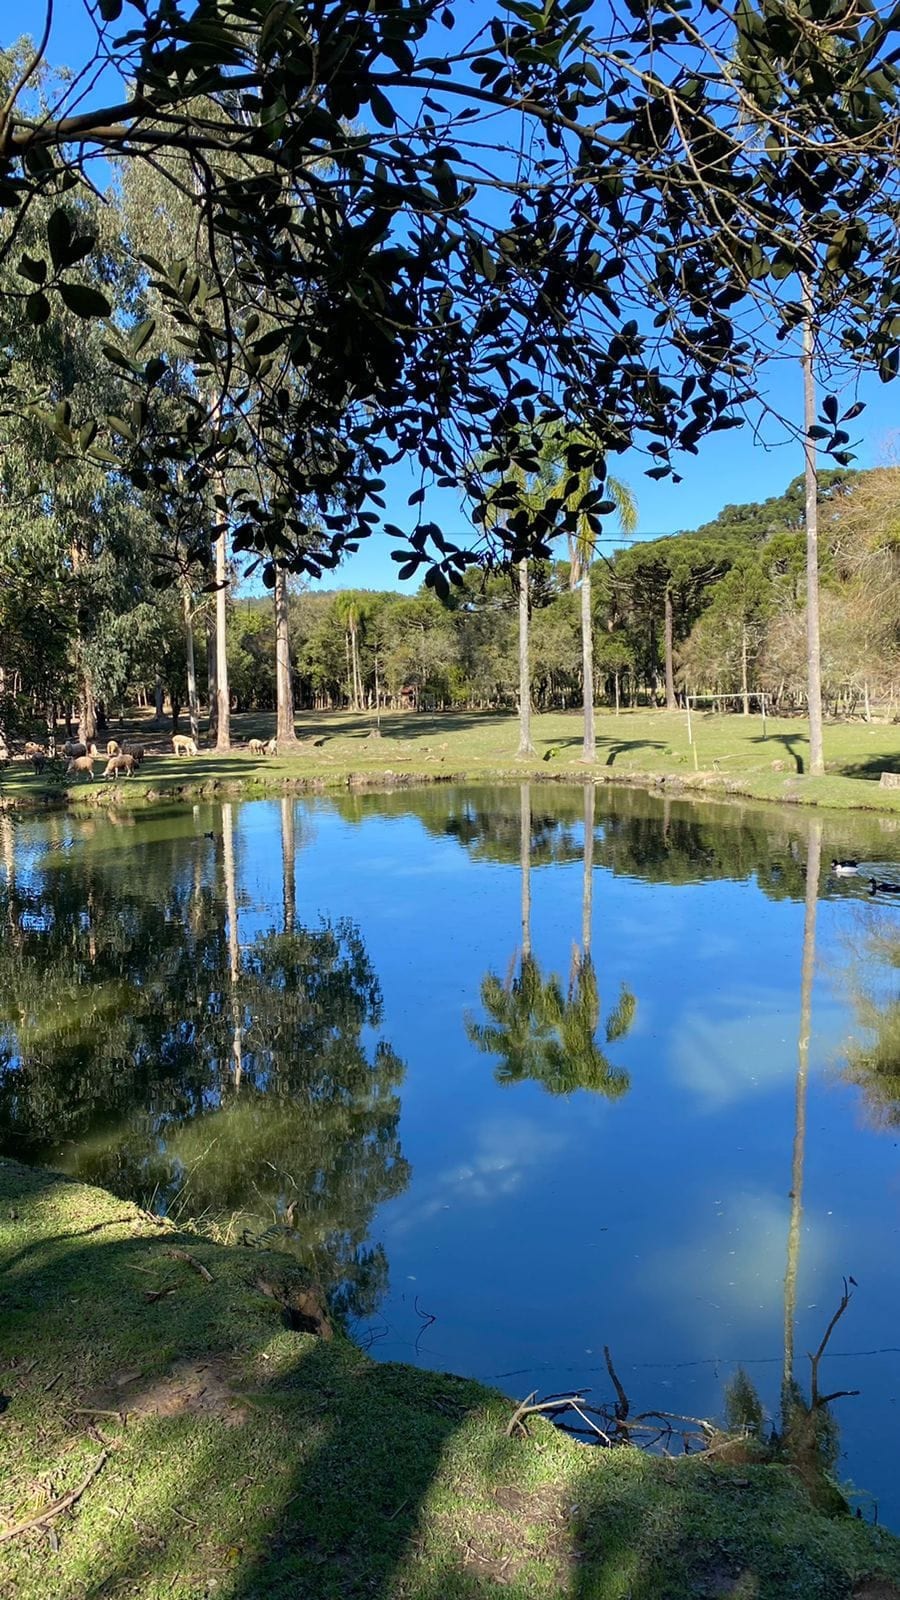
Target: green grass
{"type": "Point", "coordinates": [254, 1463]}
{"type": "Point", "coordinates": [731, 755]}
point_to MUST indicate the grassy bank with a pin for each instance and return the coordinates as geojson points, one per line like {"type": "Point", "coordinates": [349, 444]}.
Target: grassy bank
{"type": "Point", "coordinates": [728, 755]}
{"type": "Point", "coordinates": [220, 1453]}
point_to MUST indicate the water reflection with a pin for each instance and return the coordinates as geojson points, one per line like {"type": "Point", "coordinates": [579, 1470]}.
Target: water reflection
{"type": "Point", "coordinates": [143, 1048]}
{"type": "Point", "coordinates": [171, 1028]}
{"type": "Point", "coordinates": [538, 1031]}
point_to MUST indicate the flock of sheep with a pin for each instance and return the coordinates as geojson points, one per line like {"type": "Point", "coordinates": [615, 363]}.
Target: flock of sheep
{"type": "Point", "coordinates": [122, 760]}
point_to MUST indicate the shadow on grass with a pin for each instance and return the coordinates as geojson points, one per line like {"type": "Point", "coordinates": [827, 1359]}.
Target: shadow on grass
{"type": "Point", "coordinates": [260, 1464]}
{"type": "Point", "coordinates": [791, 742]}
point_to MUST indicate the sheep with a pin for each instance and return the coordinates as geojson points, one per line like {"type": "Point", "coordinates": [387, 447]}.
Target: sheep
{"type": "Point", "coordinates": [38, 762]}
{"type": "Point", "coordinates": [256, 747]}
{"type": "Point", "coordinates": [117, 764]}
{"type": "Point", "coordinates": [73, 749]}
{"type": "Point", "coordinates": [83, 764]}
{"type": "Point", "coordinates": [113, 748]}
{"type": "Point", "coordinates": [32, 749]}
{"type": "Point", "coordinates": [183, 745]}
{"type": "Point", "coordinates": [134, 750]}
{"type": "Point", "coordinates": [272, 747]}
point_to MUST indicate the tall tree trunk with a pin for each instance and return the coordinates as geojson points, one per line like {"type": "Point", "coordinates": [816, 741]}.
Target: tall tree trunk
{"type": "Point", "coordinates": [526, 748]}
{"type": "Point", "coordinates": [193, 699]}
{"type": "Point", "coordinates": [587, 885]}
{"type": "Point", "coordinates": [159, 701]}
{"type": "Point", "coordinates": [284, 687]}
{"type": "Point", "coordinates": [616, 681]}
{"type": "Point", "coordinates": [351, 680]}
{"type": "Point", "coordinates": [357, 675]}
{"type": "Point", "coordinates": [212, 698]}
{"type": "Point", "coordinates": [744, 693]}
{"type": "Point", "coordinates": [87, 709]}
{"type": "Point", "coordinates": [813, 635]}
{"type": "Point", "coordinates": [288, 874]}
{"type": "Point", "coordinates": [223, 697]}
{"type": "Point", "coordinates": [525, 864]}
{"type": "Point", "coordinates": [234, 943]}
{"type": "Point", "coordinates": [807, 971]}
{"type": "Point", "coordinates": [669, 647]}
{"type": "Point", "coordinates": [589, 751]}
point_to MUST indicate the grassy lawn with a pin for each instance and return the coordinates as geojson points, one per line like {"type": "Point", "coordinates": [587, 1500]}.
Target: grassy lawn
{"type": "Point", "coordinates": [222, 1454]}
{"type": "Point", "coordinates": [729, 754]}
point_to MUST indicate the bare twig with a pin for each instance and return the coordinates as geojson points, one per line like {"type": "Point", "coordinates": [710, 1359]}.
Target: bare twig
{"type": "Point", "coordinates": [64, 1503]}
{"type": "Point", "coordinates": [184, 1255]}
{"type": "Point", "coordinates": [815, 1399]}
{"type": "Point", "coordinates": [622, 1406]}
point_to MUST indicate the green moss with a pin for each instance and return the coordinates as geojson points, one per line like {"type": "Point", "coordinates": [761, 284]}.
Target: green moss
{"type": "Point", "coordinates": [257, 1463]}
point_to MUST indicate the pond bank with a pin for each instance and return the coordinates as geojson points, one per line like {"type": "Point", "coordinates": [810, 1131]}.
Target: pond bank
{"type": "Point", "coordinates": [726, 756]}
{"type": "Point", "coordinates": [219, 1452]}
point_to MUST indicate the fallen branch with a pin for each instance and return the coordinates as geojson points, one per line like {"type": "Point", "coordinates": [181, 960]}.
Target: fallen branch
{"type": "Point", "coordinates": [622, 1406]}
{"type": "Point", "coordinates": [64, 1503]}
{"type": "Point", "coordinates": [527, 1409]}
{"type": "Point", "coordinates": [183, 1255]}
{"type": "Point", "coordinates": [815, 1399]}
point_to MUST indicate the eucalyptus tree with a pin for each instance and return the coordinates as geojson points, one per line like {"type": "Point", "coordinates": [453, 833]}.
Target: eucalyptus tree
{"type": "Point", "coordinates": [550, 222]}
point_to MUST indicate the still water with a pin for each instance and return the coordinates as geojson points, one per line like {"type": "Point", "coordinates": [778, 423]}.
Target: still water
{"type": "Point", "coordinates": [521, 1071]}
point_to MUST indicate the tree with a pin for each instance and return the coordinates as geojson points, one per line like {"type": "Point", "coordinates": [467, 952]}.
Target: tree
{"type": "Point", "coordinates": [730, 634]}
{"type": "Point", "coordinates": [423, 321]}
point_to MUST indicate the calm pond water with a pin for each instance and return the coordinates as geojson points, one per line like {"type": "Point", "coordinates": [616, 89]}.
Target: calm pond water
{"type": "Point", "coordinates": [521, 1071]}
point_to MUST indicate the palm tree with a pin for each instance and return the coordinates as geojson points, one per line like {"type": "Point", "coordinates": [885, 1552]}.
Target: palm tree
{"type": "Point", "coordinates": [582, 549]}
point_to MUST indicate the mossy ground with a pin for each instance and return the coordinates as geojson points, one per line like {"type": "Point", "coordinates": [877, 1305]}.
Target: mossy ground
{"type": "Point", "coordinates": [251, 1462]}
{"type": "Point", "coordinates": [732, 756]}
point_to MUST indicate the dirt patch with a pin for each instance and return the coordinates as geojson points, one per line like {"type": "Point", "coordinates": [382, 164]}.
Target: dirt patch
{"type": "Point", "coordinates": [195, 1388]}
{"type": "Point", "coordinates": [526, 1527]}
{"type": "Point", "coordinates": [720, 1581]}
{"type": "Point", "coordinates": [875, 1589]}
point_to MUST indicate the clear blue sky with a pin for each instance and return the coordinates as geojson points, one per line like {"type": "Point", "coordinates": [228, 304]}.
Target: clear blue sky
{"type": "Point", "coordinates": [730, 468]}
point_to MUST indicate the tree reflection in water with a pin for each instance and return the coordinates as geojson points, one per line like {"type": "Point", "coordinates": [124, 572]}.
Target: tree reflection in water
{"type": "Point", "coordinates": [142, 1048]}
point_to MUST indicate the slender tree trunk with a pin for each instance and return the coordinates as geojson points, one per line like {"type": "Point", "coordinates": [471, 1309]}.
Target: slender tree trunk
{"type": "Point", "coordinates": [669, 647]}
{"type": "Point", "coordinates": [744, 693]}
{"type": "Point", "coordinates": [357, 675]}
{"type": "Point", "coordinates": [351, 681]}
{"type": "Point", "coordinates": [284, 688]}
{"type": "Point", "coordinates": [587, 886]}
{"type": "Point", "coordinates": [87, 710]}
{"type": "Point", "coordinates": [159, 701]}
{"type": "Point", "coordinates": [526, 748]}
{"type": "Point", "coordinates": [525, 864]}
{"type": "Point", "coordinates": [193, 699]}
{"type": "Point", "coordinates": [212, 698]}
{"type": "Point", "coordinates": [868, 709]}
{"type": "Point", "coordinates": [288, 856]}
{"type": "Point", "coordinates": [589, 751]}
{"type": "Point", "coordinates": [234, 943]}
{"type": "Point", "coordinates": [807, 970]}
{"type": "Point", "coordinates": [223, 696]}
{"type": "Point", "coordinates": [813, 635]}
{"type": "Point", "coordinates": [616, 681]}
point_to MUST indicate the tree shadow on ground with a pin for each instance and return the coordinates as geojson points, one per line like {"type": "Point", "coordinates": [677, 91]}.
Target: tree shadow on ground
{"type": "Point", "coordinates": [235, 1457]}
{"type": "Point", "coordinates": [872, 769]}
{"type": "Point", "coordinates": [791, 742]}
{"type": "Point", "coordinates": [621, 747]}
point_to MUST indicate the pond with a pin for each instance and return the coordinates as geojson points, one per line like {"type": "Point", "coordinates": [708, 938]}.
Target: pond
{"type": "Point", "coordinates": [522, 1072]}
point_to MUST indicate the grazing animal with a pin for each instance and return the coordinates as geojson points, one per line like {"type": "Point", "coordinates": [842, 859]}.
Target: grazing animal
{"type": "Point", "coordinates": [117, 764]}
{"type": "Point", "coordinates": [38, 762]}
{"type": "Point", "coordinates": [878, 886]}
{"type": "Point", "coordinates": [136, 751]}
{"type": "Point", "coordinates": [183, 745]}
{"type": "Point", "coordinates": [83, 764]}
{"type": "Point", "coordinates": [272, 747]}
{"type": "Point", "coordinates": [845, 869]}
{"type": "Point", "coordinates": [256, 747]}
{"type": "Point", "coordinates": [113, 748]}
{"type": "Point", "coordinates": [32, 749]}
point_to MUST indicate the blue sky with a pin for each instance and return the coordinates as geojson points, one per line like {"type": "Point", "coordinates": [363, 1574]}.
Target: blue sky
{"type": "Point", "coordinates": [730, 467]}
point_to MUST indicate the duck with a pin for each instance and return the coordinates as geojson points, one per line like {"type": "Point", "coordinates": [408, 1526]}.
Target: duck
{"type": "Point", "coordinates": [878, 886]}
{"type": "Point", "coordinates": [845, 868]}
